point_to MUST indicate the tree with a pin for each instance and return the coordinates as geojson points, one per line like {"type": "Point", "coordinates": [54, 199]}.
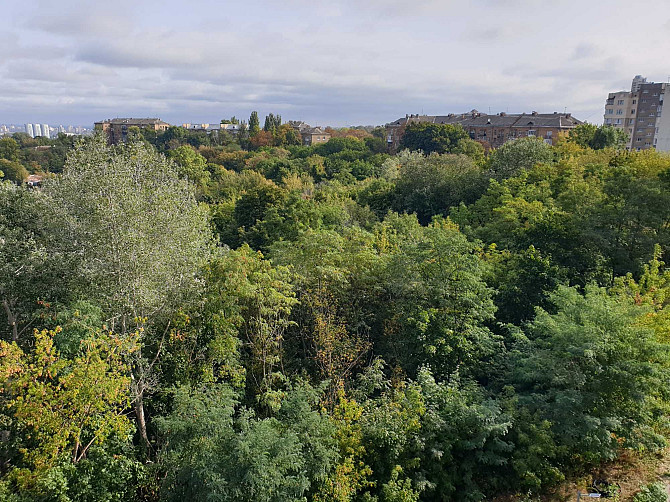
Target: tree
{"type": "Point", "coordinates": [9, 149]}
{"type": "Point", "coordinates": [63, 407]}
{"type": "Point", "coordinates": [215, 450]}
{"type": "Point", "coordinates": [604, 388]}
{"type": "Point", "coordinates": [430, 185]}
{"type": "Point", "coordinates": [254, 124]}
{"type": "Point", "coordinates": [13, 171]}
{"type": "Point", "coordinates": [598, 137]}
{"type": "Point", "coordinates": [429, 138]}
{"type": "Point", "coordinates": [518, 155]}
{"type": "Point", "coordinates": [31, 272]}
{"type": "Point", "coordinates": [142, 240]}
{"type": "Point", "coordinates": [190, 164]}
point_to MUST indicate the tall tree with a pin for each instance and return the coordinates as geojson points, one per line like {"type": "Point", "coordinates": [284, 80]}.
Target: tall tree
{"type": "Point", "coordinates": [142, 240]}
{"type": "Point", "coordinates": [254, 124]}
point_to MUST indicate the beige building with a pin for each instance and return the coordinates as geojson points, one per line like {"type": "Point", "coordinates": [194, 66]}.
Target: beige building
{"type": "Point", "coordinates": [117, 129]}
{"type": "Point", "coordinates": [314, 136]}
{"type": "Point", "coordinates": [639, 113]}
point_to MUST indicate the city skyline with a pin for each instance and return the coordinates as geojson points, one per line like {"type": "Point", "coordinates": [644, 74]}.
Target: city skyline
{"type": "Point", "coordinates": [337, 64]}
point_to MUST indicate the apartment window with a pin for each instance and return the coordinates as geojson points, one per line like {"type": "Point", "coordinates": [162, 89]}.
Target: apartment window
{"type": "Point", "coordinates": [608, 121]}
{"type": "Point", "coordinates": [620, 102]}
{"type": "Point", "coordinates": [633, 110]}
{"type": "Point", "coordinates": [640, 131]}
{"type": "Point", "coordinates": [632, 121]}
{"type": "Point", "coordinates": [549, 134]}
{"type": "Point", "coordinates": [645, 92]}
{"type": "Point", "coordinates": [634, 101]}
{"type": "Point", "coordinates": [638, 139]}
{"type": "Point", "coordinates": [619, 111]}
{"type": "Point", "coordinates": [656, 130]}
{"type": "Point", "coordinates": [618, 122]}
{"type": "Point", "coordinates": [531, 133]}
{"type": "Point", "coordinates": [655, 94]}
{"type": "Point", "coordinates": [643, 101]}
{"type": "Point", "coordinates": [652, 114]}
{"type": "Point", "coordinates": [609, 111]}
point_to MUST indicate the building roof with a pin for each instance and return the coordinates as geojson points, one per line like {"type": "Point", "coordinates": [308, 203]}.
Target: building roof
{"type": "Point", "coordinates": [132, 121]}
{"type": "Point", "coordinates": [314, 130]}
{"type": "Point", "coordinates": [476, 119]}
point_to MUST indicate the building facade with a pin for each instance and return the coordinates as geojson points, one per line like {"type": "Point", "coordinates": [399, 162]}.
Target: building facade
{"type": "Point", "coordinates": [117, 129]}
{"type": "Point", "coordinates": [639, 113]}
{"type": "Point", "coordinates": [491, 130]}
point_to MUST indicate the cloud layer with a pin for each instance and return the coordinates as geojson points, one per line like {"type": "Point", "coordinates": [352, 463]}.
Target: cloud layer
{"type": "Point", "coordinates": [341, 62]}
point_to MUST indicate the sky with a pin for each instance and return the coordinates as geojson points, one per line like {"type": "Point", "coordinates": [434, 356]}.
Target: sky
{"type": "Point", "coordinates": [335, 62]}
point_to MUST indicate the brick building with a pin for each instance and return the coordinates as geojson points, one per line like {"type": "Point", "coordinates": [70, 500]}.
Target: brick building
{"type": "Point", "coordinates": [493, 130]}
{"type": "Point", "coordinates": [117, 129]}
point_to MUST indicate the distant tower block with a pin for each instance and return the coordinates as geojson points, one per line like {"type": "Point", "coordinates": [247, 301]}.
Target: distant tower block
{"type": "Point", "coordinates": [45, 131]}
{"type": "Point", "coordinates": [29, 130]}
{"type": "Point", "coordinates": [38, 130]}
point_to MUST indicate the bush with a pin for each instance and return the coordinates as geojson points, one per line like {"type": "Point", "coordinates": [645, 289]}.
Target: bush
{"type": "Point", "coordinates": [654, 492]}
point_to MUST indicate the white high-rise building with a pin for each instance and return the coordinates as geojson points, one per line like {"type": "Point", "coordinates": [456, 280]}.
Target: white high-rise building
{"type": "Point", "coordinates": [45, 131]}
{"type": "Point", "coordinates": [38, 130]}
{"type": "Point", "coordinates": [29, 130]}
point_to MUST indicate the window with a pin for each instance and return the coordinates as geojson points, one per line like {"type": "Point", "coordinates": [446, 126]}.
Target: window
{"type": "Point", "coordinates": [549, 133]}
{"type": "Point", "coordinates": [652, 114]}
{"type": "Point", "coordinates": [619, 111]}
{"type": "Point", "coordinates": [656, 130]}
{"type": "Point", "coordinates": [620, 102]}
{"type": "Point", "coordinates": [609, 111]}
{"type": "Point", "coordinates": [643, 101]}
{"type": "Point", "coordinates": [633, 110]}
{"type": "Point", "coordinates": [645, 91]}
{"type": "Point", "coordinates": [634, 101]}
{"type": "Point", "coordinates": [632, 121]}
{"type": "Point", "coordinates": [618, 122]}
{"type": "Point", "coordinates": [638, 139]}
{"type": "Point", "coordinates": [531, 132]}
{"type": "Point", "coordinates": [608, 121]}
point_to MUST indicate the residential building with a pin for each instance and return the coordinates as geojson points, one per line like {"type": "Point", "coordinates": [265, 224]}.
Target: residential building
{"type": "Point", "coordinates": [491, 130]}
{"type": "Point", "coordinates": [310, 135]}
{"type": "Point", "coordinates": [314, 136]}
{"type": "Point", "coordinates": [639, 113]}
{"type": "Point", "coordinates": [117, 129]}
{"type": "Point", "coordinates": [45, 131]}
{"type": "Point", "coordinates": [38, 130]}
{"type": "Point", "coordinates": [29, 130]}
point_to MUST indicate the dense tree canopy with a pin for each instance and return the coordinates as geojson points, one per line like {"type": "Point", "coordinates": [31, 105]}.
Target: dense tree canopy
{"type": "Point", "coordinates": [191, 316]}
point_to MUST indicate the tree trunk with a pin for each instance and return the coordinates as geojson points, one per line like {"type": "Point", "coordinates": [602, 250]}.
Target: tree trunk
{"type": "Point", "coordinates": [11, 320]}
{"type": "Point", "coordinates": [141, 421]}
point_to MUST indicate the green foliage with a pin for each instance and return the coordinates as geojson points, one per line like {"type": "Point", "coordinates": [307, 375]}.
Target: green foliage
{"type": "Point", "coordinates": [254, 124]}
{"type": "Point", "coordinates": [142, 237]}
{"type": "Point", "coordinates": [13, 171]}
{"type": "Point", "coordinates": [429, 138]}
{"type": "Point", "coordinates": [604, 389]}
{"type": "Point", "coordinates": [654, 492]}
{"type": "Point", "coordinates": [60, 408]}
{"type": "Point", "coordinates": [216, 452]}
{"type": "Point", "coordinates": [598, 137]}
{"type": "Point", "coordinates": [430, 185]}
{"type": "Point", "coordinates": [9, 149]}
{"type": "Point", "coordinates": [516, 156]}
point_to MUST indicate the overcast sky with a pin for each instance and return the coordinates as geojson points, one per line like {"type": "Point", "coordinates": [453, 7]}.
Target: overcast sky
{"type": "Point", "coordinates": [334, 62]}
